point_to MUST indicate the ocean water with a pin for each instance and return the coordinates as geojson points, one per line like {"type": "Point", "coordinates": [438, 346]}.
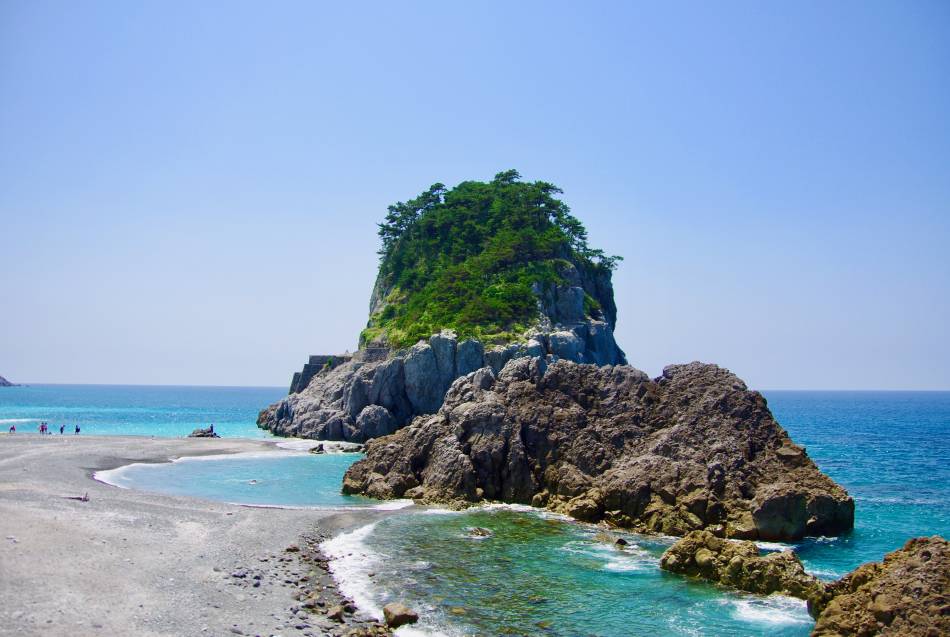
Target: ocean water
{"type": "Point", "coordinates": [164, 411]}
{"type": "Point", "coordinates": [540, 574]}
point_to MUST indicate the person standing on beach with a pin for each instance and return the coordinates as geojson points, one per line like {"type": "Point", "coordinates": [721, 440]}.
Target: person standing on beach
{"type": "Point", "coordinates": [13, 429]}
{"type": "Point", "coordinates": [61, 429]}
{"type": "Point", "coordinates": [77, 430]}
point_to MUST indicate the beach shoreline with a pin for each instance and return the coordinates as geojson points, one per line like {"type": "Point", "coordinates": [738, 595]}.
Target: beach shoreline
{"type": "Point", "coordinates": [131, 562]}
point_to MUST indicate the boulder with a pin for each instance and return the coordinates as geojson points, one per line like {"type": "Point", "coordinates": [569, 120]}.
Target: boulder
{"type": "Point", "coordinates": [739, 564]}
{"type": "Point", "coordinates": [692, 449]}
{"type": "Point", "coordinates": [207, 432]}
{"type": "Point", "coordinates": [907, 594]}
{"type": "Point", "coordinates": [375, 421]}
{"type": "Point", "coordinates": [567, 346]}
{"type": "Point", "coordinates": [397, 615]}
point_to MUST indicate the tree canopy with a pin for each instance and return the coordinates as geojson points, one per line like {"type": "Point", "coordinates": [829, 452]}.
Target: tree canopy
{"type": "Point", "coordinates": [468, 258]}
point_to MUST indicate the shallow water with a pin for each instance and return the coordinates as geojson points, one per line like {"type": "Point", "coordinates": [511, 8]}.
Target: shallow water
{"type": "Point", "coordinates": [164, 411]}
{"type": "Point", "coordinates": [540, 575]}
{"type": "Point", "coordinates": [279, 478]}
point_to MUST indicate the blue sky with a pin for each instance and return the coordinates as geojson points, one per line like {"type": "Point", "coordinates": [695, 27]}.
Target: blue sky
{"type": "Point", "coordinates": [189, 191]}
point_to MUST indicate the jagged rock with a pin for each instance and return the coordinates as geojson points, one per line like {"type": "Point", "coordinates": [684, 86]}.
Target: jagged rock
{"type": "Point", "coordinates": [692, 449]}
{"type": "Point", "coordinates": [443, 347]}
{"type": "Point", "coordinates": [738, 564]}
{"type": "Point", "coordinates": [469, 356]}
{"type": "Point", "coordinates": [333, 404]}
{"type": "Point", "coordinates": [423, 381]}
{"type": "Point", "coordinates": [397, 615]}
{"type": "Point", "coordinates": [567, 345]}
{"type": "Point", "coordinates": [907, 594]}
{"type": "Point", "coordinates": [207, 432]}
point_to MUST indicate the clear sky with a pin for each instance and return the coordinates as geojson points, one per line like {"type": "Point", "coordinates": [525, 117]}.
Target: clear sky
{"type": "Point", "coordinates": [189, 190]}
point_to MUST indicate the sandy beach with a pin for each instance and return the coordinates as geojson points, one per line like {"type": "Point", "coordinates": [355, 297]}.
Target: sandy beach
{"type": "Point", "coordinates": [135, 563]}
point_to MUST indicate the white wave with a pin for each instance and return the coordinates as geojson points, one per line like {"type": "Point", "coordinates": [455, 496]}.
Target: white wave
{"type": "Point", "coordinates": [505, 506]}
{"type": "Point", "coordinates": [626, 560]}
{"type": "Point", "coordinates": [13, 420]}
{"type": "Point", "coordinates": [351, 562]}
{"type": "Point", "coordinates": [774, 609]}
{"type": "Point", "coordinates": [392, 505]}
{"type": "Point", "coordinates": [329, 446]}
{"type": "Point", "coordinates": [438, 511]}
{"type": "Point", "coordinates": [774, 546]}
{"type": "Point", "coordinates": [824, 573]}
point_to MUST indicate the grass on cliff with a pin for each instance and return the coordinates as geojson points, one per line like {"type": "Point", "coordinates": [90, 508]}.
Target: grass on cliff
{"type": "Point", "coordinates": [469, 259]}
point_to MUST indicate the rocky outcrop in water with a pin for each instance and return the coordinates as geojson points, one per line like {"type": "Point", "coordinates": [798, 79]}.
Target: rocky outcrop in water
{"type": "Point", "coordinates": [692, 449]}
{"type": "Point", "coordinates": [907, 594]}
{"type": "Point", "coordinates": [370, 396]}
{"type": "Point", "coordinates": [204, 432]}
{"type": "Point", "coordinates": [5, 383]}
{"type": "Point", "coordinates": [738, 564]}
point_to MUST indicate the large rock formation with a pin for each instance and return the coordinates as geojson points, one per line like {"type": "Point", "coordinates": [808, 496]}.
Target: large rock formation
{"type": "Point", "coordinates": [369, 395]}
{"type": "Point", "coordinates": [5, 383]}
{"type": "Point", "coordinates": [907, 594]}
{"type": "Point", "coordinates": [738, 564]}
{"type": "Point", "coordinates": [692, 449]}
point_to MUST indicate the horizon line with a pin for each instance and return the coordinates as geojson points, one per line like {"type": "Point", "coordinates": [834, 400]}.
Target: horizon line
{"type": "Point", "coordinates": [212, 386]}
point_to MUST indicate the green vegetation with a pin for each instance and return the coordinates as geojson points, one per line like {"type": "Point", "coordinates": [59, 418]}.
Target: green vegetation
{"type": "Point", "coordinates": [471, 258]}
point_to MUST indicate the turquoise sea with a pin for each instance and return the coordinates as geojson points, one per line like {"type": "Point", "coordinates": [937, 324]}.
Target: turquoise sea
{"type": "Point", "coordinates": [141, 410]}
{"type": "Point", "coordinates": [539, 574]}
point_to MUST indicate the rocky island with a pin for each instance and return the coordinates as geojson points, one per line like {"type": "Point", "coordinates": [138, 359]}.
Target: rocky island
{"type": "Point", "coordinates": [470, 277]}
{"type": "Point", "coordinates": [488, 371]}
{"type": "Point", "coordinates": [5, 383]}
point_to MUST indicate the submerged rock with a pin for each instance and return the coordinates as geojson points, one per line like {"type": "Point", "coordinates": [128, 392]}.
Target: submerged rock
{"type": "Point", "coordinates": [738, 564]}
{"type": "Point", "coordinates": [692, 449]}
{"type": "Point", "coordinates": [907, 594]}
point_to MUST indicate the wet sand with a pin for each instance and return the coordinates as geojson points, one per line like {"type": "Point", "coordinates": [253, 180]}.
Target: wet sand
{"type": "Point", "coordinates": [132, 563]}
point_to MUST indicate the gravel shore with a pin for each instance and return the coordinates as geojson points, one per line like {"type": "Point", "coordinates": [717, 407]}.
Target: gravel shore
{"type": "Point", "coordinates": [125, 562]}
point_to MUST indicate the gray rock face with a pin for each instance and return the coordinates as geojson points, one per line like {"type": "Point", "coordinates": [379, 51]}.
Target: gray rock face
{"type": "Point", "coordinates": [692, 449]}
{"type": "Point", "coordinates": [423, 380]}
{"type": "Point", "coordinates": [469, 356]}
{"type": "Point", "coordinates": [443, 346]}
{"type": "Point", "coordinates": [375, 421]}
{"type": "Point", "coordinates": [332, 404]}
